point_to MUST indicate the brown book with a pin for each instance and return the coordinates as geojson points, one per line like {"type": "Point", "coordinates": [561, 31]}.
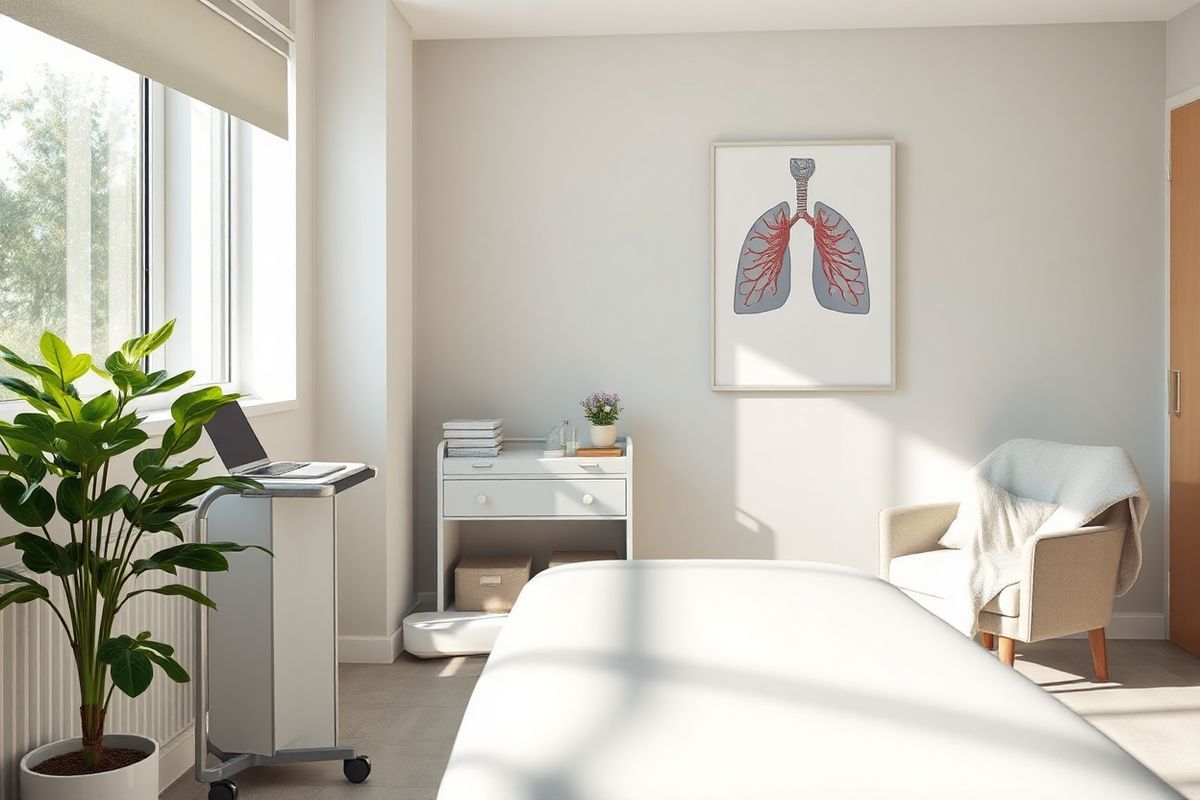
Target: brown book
{"type": "Point", "coordinates": [593, 452]}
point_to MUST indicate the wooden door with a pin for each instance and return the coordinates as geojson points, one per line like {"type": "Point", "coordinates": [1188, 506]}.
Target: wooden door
{"type": "Point", "coordinates": [1184, 378]}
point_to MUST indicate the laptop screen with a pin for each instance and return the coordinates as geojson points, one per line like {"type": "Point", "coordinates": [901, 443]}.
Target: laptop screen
{"type": "Point", "coordinates": [234, 439]}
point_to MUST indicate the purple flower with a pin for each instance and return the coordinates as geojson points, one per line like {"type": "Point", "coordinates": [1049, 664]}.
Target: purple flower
{"type": "Point", "coordinates": [601, 408]}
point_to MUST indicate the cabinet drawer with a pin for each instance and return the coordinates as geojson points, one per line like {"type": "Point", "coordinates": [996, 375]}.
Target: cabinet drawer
{"type": "Point", "coordinates": [524, 462]}
{"type": "Point", "coordinates": [534, 498]}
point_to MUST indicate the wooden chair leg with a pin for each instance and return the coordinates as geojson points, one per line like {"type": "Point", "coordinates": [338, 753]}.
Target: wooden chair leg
{"type": "Point", "coordinates": [1008, 650]}
{"type": "Point", "coordinates": [1099, 653]}
{"type": "Point", "coordinates": [988, 640]}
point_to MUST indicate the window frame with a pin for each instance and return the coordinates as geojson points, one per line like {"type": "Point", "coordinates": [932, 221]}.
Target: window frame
{"type": "Point", "coordinates": [155, 253]}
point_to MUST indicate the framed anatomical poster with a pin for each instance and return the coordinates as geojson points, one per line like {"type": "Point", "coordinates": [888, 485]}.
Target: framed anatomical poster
{"type": "Point", "coordinates": [803, 274]}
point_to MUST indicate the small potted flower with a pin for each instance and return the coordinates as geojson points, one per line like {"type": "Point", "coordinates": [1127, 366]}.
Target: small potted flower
{"type": "Point", "coordinates": [602, 410]}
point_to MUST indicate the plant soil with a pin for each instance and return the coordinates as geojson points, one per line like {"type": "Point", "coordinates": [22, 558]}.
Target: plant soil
{"type": "Point", "coordinates": [72, 763]}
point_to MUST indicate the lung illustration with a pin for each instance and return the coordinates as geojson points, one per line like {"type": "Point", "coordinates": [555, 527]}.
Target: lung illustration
{"type": "Point", "coordinates": [839, 273]}
{"type": "Point", "coordinates": [764, 273]}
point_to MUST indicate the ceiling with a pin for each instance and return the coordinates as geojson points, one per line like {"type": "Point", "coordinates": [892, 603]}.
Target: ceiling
{"type": "Point", "coordinates": [472, 19]}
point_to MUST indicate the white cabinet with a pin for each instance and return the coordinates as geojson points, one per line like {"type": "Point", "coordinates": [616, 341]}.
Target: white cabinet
{"type": "Point", "coordinates": [518, 503]}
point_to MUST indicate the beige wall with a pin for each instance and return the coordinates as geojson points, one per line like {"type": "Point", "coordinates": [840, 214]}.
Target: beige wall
{"type": "Point", "coordinates": [562, 246]}
{"type": "Point", "coordinates": [363, 306]}
{"type": "Point", "coordinates": [399, 403]}
{"type": "Point", "coordinates": [1183, 52]}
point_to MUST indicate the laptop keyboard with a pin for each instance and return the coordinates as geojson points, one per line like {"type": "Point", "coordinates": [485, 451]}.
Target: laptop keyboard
{"type": "Point", "coordinates": [276, 468]}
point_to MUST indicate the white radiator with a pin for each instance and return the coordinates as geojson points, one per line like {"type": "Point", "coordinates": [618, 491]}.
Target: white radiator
{"type": "Point", "coordinates": [39, 699]}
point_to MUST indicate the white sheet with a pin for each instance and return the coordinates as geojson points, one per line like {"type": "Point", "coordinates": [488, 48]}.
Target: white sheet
{"type": "Point", "coordinates": [755, 680]}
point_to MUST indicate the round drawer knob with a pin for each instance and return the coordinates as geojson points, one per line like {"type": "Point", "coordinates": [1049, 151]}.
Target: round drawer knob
{"type": "Point", "coordinates": [588, 499]}
{"type": "Point", "coordinates": [481, 499]}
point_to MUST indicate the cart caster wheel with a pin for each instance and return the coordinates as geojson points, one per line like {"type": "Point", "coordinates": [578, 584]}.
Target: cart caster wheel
{"type": "Point", "coordinates": [356, 770]}
{"type": "Point", "coordinates": [222, 790]}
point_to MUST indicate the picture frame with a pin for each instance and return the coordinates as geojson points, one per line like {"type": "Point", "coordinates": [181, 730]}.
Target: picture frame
{"type": "Point", "coordinates": [770, 332]}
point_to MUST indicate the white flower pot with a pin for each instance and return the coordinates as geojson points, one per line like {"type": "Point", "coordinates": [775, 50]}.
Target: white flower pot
{"type": "Point", "coordinates": [604, 435]}
{"type": "Point", "coordinates": [135, 782]}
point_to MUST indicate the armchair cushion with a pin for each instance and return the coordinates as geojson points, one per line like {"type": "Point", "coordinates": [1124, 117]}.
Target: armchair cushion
{"type": "Point", "coordinates": [931, 575]}
{"type": "Point", "coordinates": [1002, 514]}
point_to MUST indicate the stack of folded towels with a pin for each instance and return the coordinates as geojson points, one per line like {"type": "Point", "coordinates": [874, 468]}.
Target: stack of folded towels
{"type": "Point", "coordinates": [473, 438]}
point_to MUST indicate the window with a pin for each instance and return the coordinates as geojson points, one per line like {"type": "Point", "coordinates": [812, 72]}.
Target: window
{"type": "Point", "coordinates": [114, 208]}
{"type": "Point", "coordinates": [70, 194]}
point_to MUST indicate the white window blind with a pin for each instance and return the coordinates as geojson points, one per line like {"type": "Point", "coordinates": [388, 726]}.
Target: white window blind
{"type": "Point", "coordinates": [230, 54]}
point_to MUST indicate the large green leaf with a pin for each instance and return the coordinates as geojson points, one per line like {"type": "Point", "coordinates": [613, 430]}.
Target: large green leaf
{"type": "Point", "coordinates": [202, 412]}
{"type": "Point", "coordinates": [183, 404]}
{"type": "Point", "coordinates": [191, 555]}
{"type": "Point", "coordinates": [172, 668]}
{"type": "Point", "coordinates": [72, 505]}
{"type": "Point", "coordinates": [129, 665]}
{"type": "Point", "coordinates": [135, 350]}
{"type": "Point", "coordinates": [159, 647]}
{"type": "Point", "coordinates": [28, 393]}
{"type": "Point", "coordinates": [9, 576]}
{"type": "Point", "coordinates": [41, 555]}
{"type": "Point", "coordinates": [34, 469]}
{"type": "Point", "coordinates": [181, 491]}
{"type": "Point", "coordinates": [178, 589]}
{"type": "Point", "coordinates": [128, 376]}
{"type": "Point", "coordinates": [35, 512]}
{"type": "Point", "coordinates": [59, 358]}
{"type": "Point", "coordinates": [102, 570]}
{"type": "Point", "coordinates": [146, 458]}
{"type": "Point", "coordinates": [121, 441]}
{"type": "Point", "coordinates": [157, 385]}
{"type": "Point", "coordinates": [26, 439]}
{"type": "Point", "coordinates": [100, 407]}
{"type": "Point", "coordinates": [66, 405]}
{"type": "Point", "coordinates": [24, 594]}
{"type": "Point", "coordinates": [117, 362]}
{"type": "Point", "coordinates": [152, 519]}
{"type": "Point", "coordinates": [152, 474]}
{"type": "Point", "coordinates": [74, 440]}
{"type": "Point", "coordinates": [180, 437]}
{"type": "Point", "coordinates": [109, 502]}
{"type": "Point", "coordinates": [203, 557]}
{"type": "Point", "coordinates": [41, 423]}
{"type": "Point", "coordinates": [36, 370]}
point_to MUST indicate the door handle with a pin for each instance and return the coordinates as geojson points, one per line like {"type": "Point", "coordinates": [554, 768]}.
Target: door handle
{"type": "Point", "coordinates": [1177, 392]}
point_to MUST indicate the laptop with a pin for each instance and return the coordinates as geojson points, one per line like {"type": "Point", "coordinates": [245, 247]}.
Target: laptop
{"type": "Point", "coordinates": [242, 453]}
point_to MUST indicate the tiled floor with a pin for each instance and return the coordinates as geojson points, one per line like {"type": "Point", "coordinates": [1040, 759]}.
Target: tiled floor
{"type": "Point", "coordinates": [405, 715]}
{"type": "Point", "coordinates": [1151, 707]}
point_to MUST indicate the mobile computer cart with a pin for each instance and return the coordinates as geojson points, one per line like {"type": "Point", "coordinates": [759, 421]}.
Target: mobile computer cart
{"type": "Point", "coordinates": [265, 680]}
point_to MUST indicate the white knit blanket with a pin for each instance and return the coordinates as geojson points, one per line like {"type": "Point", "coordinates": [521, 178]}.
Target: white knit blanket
{"type": "Point", "coordinates": [1081, 481]}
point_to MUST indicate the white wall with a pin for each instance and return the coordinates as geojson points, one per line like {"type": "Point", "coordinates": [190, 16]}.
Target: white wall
{"type": "Point", "coordinates": [399, 232]}
{"type": "Point", "coordinates": [363, 307]}
{"type": "Point", "coordinates": [562, 246]}
{"type": "Point", "coordinates": [1183, 51]}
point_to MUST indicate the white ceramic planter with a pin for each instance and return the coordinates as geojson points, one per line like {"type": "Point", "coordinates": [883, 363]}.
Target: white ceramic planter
{"type": "Point", "coordinates": [604, 435]}
{"type": "Point", "coordinates": [136, 782]}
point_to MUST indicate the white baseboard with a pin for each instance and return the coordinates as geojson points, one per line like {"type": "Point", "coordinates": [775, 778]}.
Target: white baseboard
{"type": "Point", "coordinates": [1137, 625]}
{"type": "Point", "coordinates": [370, 649]}
{"type": "Point", "coordinates": [175, 759]}
{"type": "Point", "coordinates": [1134, 625]}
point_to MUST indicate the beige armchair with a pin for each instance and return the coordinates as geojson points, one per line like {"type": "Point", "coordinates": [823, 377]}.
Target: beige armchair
{"type": "Point", "coordinates": [1066, 587]}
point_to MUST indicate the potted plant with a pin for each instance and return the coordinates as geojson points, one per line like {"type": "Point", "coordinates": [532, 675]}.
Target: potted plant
{"type": "Point", "coordinates": [57, 474]}
{"type": "Point", "coordinates": [602, 410]}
